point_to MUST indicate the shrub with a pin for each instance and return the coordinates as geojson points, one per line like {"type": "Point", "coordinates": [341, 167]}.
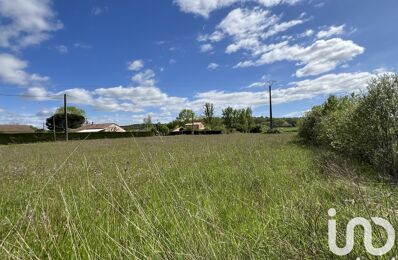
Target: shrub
{"type": "Point", "coordinates": [273, 131]}
{"type": "Point", "coordinates": [364, 127]}
{"type": "Point", "coordinates": [256, 129]}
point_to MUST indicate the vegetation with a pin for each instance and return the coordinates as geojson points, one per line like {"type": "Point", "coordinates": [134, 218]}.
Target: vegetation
{"type": "Point", "coordinates": [237, 196]}
{"type": "Point", "coordinates": [76, 118]}
{"type": "Point", "coordinates": [71, 110]}
{"type": "Point", "coordinates": [186, 116]}
{"type": "Point", "coordinates": [47, 137]}
{"type": "Point", "coordinates": [364, 127]}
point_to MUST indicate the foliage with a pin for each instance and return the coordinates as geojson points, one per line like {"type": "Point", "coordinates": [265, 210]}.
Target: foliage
{"type": "Point", "coordinates": [163, 129]}
{"type": "Point", "coordinates": [272, 131]}
{"type": "Point", "coordinates": [364, 127]}
{"type": "Point", "coordinates": [239, 119]}
{"type": "Point", "coordinates": [74, 121]}
{"type": "Point", "coordinates": [48, 137]}
{"type": "Point", "coordinates": [185, 116]}
{"type": "Point", "coordinates": [256, 129]}
{"type": "Point", "coordinates": [208, 111]}
{"type": "Point", "coordinates": [228, 117]}
{"type": "Point", "coordinates": [147, 121]}
{"type": "Point", "coordinates": [71, 110]}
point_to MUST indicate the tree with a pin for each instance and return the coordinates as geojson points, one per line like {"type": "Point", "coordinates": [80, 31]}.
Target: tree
{"type": "Point", "coordinates": [147, 121]}
{"type": "Point", "coordinates": [163, 129]}
{"type": "Point", "coordinates": [227, 115]}
{"type": "Point", "coordinates": [209, 113]}
{"type": "Point", "coordinates": [74, 121]}
{"type": "Point", "coordinates": [185, 116]}
{"type": "Point", "coordinates": [71, 110]}
{"type": "Point", "coordinates": [76, 118]}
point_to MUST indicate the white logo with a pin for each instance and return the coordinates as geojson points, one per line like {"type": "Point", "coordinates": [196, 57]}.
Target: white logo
{"type": "Point", "coordinates": [367, 235]}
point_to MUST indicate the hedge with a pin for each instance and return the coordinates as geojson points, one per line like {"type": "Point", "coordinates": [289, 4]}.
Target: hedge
{"type": "Point", "coordinates": [48, 137]}
{"type": "Point", "coordinates": [202, 132]}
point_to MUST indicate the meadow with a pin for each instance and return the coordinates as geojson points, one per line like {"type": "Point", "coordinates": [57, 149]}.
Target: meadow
{"type": "Point", "coordinates": [238, 196]}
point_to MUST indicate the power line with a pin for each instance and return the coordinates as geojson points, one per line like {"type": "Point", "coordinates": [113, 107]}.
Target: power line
{"type": "Point", "coordinates": [32, 96]}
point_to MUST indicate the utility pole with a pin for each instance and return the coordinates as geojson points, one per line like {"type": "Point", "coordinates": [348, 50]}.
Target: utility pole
{"type": "Point", "coordinates": [66, 119]}
{"type": "Point", "coordinates": [193, 131]}
{"type": "Point", "coordinates": [271, 125]}
{"type": "Point", "coordinates": [55, 136]}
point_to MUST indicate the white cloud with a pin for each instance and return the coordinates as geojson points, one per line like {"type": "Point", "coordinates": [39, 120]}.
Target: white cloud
{"type": "Point", "coordinates": [96, 10]}
{"type": "Point", "coordinates": [307, 33]}
{"type": "Point", "coordinates": [213, 66]}
{"type": "Point", "coordinates": [12, 71]}
{"type": "Point", "coordinates": [136, 65]}
{"type": "Point", "coordinates": [343, 83]}
{"type": "Point", "coordinates": [11, 117]}
{"type": "Point", "coordinates": [82, 45]}
{"type": "Point", "coordinates": [206, 47]}
{"type": "Point", "coordinates": [278, 28]}
{"type": "Point", "coordinates": [257, 85]}
{"type": "Point", "coordinates": [46, 112]}
{"type": "Point", "coordinates": [320, 57]}
{"type": "Point", "coordinates": [26, 22]}
{"type": "Point", "coordinates": [61, 48]}
{"type": "Point", "coordinates": [332, 31]}
{"type": "Point", "coordinates": [205, 7]}
{"type": "Point", "coordinates": [145, 78]}
{"type": "Point", "coordinates": [295, 114]}
{"type": "Point", "coordinates": [249, 28]}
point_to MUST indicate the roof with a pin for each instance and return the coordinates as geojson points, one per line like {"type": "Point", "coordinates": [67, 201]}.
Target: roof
{"type": "Point", "coordinates": [195, 123]}
{"type": "Point", "coordinates": [16, 129]}
{"type": "Point", "coordinates": [91, 130]}
{"type": "Point", "coordinates": [95, 126]}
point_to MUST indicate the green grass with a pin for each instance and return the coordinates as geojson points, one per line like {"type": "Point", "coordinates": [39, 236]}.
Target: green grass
{"type": "Point", "coordinates": [185, 197]}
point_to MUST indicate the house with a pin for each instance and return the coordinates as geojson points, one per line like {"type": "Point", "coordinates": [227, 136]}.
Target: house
{"type": "Point", "coordinates": [16, 129]}
{"type": "Point", "coordinates": [196, 126]}
{"type": "Point", "coordinates": [93, 128]}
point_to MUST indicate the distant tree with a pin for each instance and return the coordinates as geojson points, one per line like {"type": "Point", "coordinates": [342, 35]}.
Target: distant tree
{"type": "Point", "coordinates": [228, 117]}
{"type": "Point", "coordinates": [71, 110]}
{"type": "Point", "coordinates": [162, 129]}
{"type": "Point", "coordinates": [74, 121]}
{"type": "Point", "coordinates": [185, 116]}
{"type": "Point", "coordinates": [249, 118]}
{"type": "Point", "coordinates": [209, 113]}
{"type": "Point", "coordinates": [76, 118]}
{"type": "Point", "coordinates": [147, 121]}
{"type": "Point", "coordinates": [173, 124]}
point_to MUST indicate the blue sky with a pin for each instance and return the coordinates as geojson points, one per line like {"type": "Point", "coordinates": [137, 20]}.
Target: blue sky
{"type": "Point", "coordinates": [123, 60]}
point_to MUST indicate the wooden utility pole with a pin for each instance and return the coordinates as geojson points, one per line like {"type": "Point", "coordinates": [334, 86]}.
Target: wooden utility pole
{"type": "Point", "coordinates": [193, 131]}
{"type": "Point", "coordinates": [55, 136]}
{"type": "Point", "coordinates": [66, 119]}
{"type": "Point", "coordinates": [271, 124]}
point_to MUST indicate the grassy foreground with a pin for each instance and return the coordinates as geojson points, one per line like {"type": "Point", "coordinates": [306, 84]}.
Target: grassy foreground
{"type": "Point", "coordinates": [201, 197]}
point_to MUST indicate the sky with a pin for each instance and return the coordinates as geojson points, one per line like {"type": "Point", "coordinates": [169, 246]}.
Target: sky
{"type": "Point", "coordinates": [124, 60]}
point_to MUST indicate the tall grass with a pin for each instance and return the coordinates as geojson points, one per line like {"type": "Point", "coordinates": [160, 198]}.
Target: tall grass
{"type": "Point", "coordinates": [185, 197]}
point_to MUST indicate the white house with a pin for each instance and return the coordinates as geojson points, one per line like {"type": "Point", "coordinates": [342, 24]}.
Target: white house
{"type": "Point", "coordinates": [93, 128]}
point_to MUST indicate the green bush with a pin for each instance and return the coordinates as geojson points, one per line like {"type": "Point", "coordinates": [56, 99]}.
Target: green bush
{"type": "Point", "coordinates": [364, 127]}
{"type": "Point", "coordinates": [47, 137]}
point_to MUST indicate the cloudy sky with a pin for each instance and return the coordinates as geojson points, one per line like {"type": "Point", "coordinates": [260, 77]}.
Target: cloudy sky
{"type": "Point", "coordinates": [123, 60]}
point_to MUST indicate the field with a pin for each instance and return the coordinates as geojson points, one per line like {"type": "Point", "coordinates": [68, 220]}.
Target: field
{"type": "Point", "coordinates": [240, 196]}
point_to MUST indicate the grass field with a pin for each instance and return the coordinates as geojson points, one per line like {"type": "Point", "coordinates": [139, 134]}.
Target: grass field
{"type": "Point", "coordinates": [186, 197]}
